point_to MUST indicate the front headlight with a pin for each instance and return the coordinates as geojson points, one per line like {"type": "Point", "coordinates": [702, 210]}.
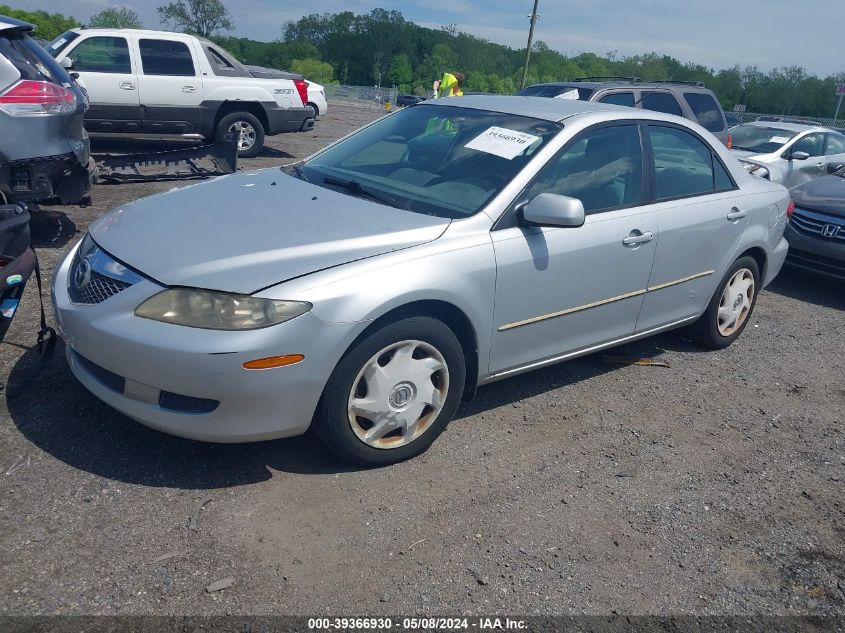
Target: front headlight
{"type": "Point", "coordinates": [218, 310]}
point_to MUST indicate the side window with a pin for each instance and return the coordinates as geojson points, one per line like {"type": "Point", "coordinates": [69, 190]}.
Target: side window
{"type": "Point", "coordinates": [812, 144]}
{"type": "Point", "coordinates": [619, 98]}
{"type": "Point", "coordinates": [603, 169]}
{"type": "Point", "coordinates": [661, 102]}
{"type": "Point", "coordinates": [166, 57]}
{"type": "Point", "coordinates": [835, 144]}
{"type": "Point", "coordinates": [683, 164]}
{"type": "Point", "coordinates": [706, 110]}
{"type": "Point", "coordinates": [101, 55]}
{"type": "Point", "coordinates": [721, 178]}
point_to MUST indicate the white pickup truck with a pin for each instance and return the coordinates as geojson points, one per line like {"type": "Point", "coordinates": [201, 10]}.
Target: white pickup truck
{"type": "Point", "coordinates": [163, 83]}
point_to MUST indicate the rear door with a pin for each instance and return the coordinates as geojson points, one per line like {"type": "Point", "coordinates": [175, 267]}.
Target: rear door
{"type": "Point", "coordinates": [661, 101]}
{"type": "Point", "coordinates": [701, 222]}
{"type": "Point", "coordinates": [108, 72]}
{"type": "Point", "coordinates": [170, 84]}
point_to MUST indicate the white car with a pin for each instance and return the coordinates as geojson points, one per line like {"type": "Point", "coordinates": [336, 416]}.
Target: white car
{"type": "Point", "coordinates": [791, 153]}
{"type": "Point", "coordinates": [317, 98]}
{"type": "Point", "coordinates": [162, 83]}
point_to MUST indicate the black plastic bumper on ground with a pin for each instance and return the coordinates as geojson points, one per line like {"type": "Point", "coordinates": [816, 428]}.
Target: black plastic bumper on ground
{"type": "Point", "coordinates": [281, 121]}
{"type": "Point", "coordinates": [43, 179]}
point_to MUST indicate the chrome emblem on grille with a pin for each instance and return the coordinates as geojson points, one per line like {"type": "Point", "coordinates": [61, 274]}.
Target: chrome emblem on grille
{"type": "Point", "coordinates": [830, 230]}
{"type": "Point", "coordinates": [82, 274]}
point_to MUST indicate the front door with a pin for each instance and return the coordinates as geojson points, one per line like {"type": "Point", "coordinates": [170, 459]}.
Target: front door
{"type": "Point", "coordinates": [701, 224]}
{"type": "Point", "coordinates": [171, 87]}
{"type": "Point", "coordinates": [560, 290]}
{"type": "Point", "coordinates": [107, 72]}
{"type": "Point", "coordinates": [797, 171]}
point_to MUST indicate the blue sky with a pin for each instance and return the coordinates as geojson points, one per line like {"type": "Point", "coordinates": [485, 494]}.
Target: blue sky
{"type": "Point", "coordinates": [717, 33]}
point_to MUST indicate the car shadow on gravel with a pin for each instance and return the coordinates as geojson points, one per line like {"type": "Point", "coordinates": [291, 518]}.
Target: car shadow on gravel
{"type": "Point", "coordinates": [805, 286]}
{"type": "Point", "coordinates": [50, 227]}
{"type": "Point", "coordinates": [62, 418]}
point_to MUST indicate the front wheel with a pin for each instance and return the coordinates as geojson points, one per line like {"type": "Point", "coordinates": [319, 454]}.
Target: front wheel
{"type": "Point", "coordinates": [393, 393]}
{"type": "Point", "coordinates": [247, 130]}
{"type": "Point", "coordinates": [730, 308]}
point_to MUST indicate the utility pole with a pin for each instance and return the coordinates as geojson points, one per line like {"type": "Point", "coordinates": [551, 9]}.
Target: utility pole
{"type": "Point", "coordinates": [533, 17]}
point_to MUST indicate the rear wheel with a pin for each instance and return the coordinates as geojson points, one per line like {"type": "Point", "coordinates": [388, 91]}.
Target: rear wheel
{"type": "Point", "coordinates": [247, 130]}
{"type": "Point", "coordinates": [393, 394]}
{"type": "Point", "coordinates": [314, 110]}
{"type": "Point", "coordinates": [731, 307]}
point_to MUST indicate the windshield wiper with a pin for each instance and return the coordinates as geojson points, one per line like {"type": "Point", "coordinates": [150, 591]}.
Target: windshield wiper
{"type": "Point", "coordinates": [297, 171]}
{"type": "Point", "coordinates": [358, 189]}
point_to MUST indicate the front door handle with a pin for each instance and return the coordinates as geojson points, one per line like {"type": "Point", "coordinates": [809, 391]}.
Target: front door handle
{"type": "Point", "coordinates": [820, 165]}
{"type": "Point", "coordinates": [127, 85]}
{"type": "Point", "coordinates": [189, 89]}
{"type": "Point", "coordinates": [735, 215]}
{"type": "Point", "coordinates": [636, 237]}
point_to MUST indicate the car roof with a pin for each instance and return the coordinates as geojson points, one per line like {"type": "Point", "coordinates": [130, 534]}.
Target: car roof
{"type": "Point", "coordinates": [12, 24]}
{"type": "Point", "coordinates": [793, 127]}
{"type": "Point", "coordinates": [624, 83]}
{"type": "Point", "coordinates": [548, 109]}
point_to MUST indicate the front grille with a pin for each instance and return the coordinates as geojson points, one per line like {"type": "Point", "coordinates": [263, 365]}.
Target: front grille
{"type": "Point", "coordinates": [818, 224]}
{"type": "Point", "coordinates": [186, 404]}
{"type": "Point", "coordinates": [98, 289]}
{"type": "Point", "coordinates": [107, 378]}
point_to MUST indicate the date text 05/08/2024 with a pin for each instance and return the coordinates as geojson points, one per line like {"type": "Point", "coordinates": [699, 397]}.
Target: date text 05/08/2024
{"type": "Point", "coordinates": [416, 624]}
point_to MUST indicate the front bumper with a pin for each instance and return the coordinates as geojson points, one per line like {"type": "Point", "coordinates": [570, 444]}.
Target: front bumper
{"type": "Point", "coordinates": [282, 120]}
{"type": "Point", "coordinates": [191, 382]}
{"type": "Point", "coordinates": [820, 255]}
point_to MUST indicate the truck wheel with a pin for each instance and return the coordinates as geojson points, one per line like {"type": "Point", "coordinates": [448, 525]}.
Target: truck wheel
{"type": "Point", "coordinates": [248, 130]}
{"type": "Point", "coordinates": [314, 110]}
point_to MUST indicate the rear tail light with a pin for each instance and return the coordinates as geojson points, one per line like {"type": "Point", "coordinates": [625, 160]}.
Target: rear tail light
{"type": "Point", "coordinates": [790, 209]}
{"type": "Point", "coordinates": [730, 141]}
{"type": "Point", "coordinates": [29, 97]}
{"type": "Point", "coordinates": [302, 88]}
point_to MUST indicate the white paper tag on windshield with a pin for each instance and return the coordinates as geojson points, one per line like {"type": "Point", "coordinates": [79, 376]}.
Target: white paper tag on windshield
{"type": "Point", "coordinates": [780, 140]}
{"type": "Point", "coordinates": [502, 142]}
{"type": "Point", "coordinates": [58, 43]}
{"type": "Point", "coordinates": [569, 94]}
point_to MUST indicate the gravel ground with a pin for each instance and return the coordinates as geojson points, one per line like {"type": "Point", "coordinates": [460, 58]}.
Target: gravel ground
{"type": "Point", "coordinates": [712, 487]}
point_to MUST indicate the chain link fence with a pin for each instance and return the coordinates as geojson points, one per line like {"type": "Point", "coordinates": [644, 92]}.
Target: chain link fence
{"type": "Point", "coordinates": [747, 117]}
{"type": "Point", "coordinates": [364, 96]}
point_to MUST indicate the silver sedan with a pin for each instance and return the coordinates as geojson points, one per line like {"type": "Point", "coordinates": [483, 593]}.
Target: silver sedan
{"type": "Point", "coordinates": [791, 153]}
{"type": "Point", "coordinates": [370, 288]}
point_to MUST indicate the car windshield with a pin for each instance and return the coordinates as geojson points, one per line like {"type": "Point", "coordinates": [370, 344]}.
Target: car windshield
{"type": "Point", "coordinates": [446, 161]}
{"type": "Point", "coordinates": [61, 43]}
{"type": "Point", "coordinates": [584, 94]}
{"type": "Point", "coordinates": [760, 139]}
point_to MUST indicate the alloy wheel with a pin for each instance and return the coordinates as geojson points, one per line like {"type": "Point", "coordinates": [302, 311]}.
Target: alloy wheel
{"type": "Point", "coordinates": [246, 134]}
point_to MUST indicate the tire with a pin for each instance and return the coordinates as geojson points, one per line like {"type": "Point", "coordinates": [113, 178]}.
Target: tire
{"type": "Point", "coordinates": [251, 135]}
{"type": "Point", "coordinates": [708, 331]}
{"type": "Point", "coordinates": [314, 110]}
{"type": "Point", "coordinates": [417, 358]}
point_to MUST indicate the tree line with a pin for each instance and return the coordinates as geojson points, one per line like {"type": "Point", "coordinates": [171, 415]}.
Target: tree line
{"type": "Point", "coordinates": [383, 48]}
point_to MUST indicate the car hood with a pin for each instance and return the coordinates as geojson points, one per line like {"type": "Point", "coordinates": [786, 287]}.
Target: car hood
{"type": "Point", "coordinates": [248, 231]}
{"type": "Point", "coordinates": [825, 194]}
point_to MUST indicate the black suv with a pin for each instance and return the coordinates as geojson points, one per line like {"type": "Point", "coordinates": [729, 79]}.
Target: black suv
{"type": "Point", "coordinates": [691, 100]}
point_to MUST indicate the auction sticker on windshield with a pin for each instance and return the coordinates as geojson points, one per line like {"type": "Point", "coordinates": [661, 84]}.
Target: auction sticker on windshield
{"type": "Point", "coordinates": [502, 142]}
{"type": "Point", "coordinates": [779, 139]}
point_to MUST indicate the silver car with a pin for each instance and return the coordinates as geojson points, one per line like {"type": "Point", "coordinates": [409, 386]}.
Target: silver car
{"type": "Point", "coordinates": [792, 153]}
{"type": "Point", "coordinates": [370, 288]}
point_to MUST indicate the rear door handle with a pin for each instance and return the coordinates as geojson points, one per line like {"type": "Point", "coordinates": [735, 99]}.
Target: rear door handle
{"type": "Point", "coordinates": [189, 89]}
{"type": "Point", "coordinates": [127, 85]}
{"type": "Point", "coordinates": [736, 215]}
{"type": "Point", "coordinates": [636, 238]}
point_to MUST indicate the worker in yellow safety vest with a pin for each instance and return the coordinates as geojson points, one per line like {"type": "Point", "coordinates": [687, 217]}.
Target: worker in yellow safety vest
{"type": "Point", "coordinates": [450, 86]}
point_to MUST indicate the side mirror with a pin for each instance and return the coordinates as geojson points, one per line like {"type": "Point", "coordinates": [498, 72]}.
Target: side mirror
{"type": "Point", "coordinates": [66, 63]}
{"type": "Point", "coordinates": [550, 209]}
{"type": "Point", "coordinates": [834, 167]}
{"type": "Point", "coordinates": [799, 156]}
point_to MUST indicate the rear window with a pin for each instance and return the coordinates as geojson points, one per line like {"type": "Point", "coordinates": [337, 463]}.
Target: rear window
{"type": "Point", "coordinates": [584, 94]}
{"type": "Point", "coordinates": [31, 60]}
{"type": "Point", "coordinates": [706, 110]}
{"type": "Point", "coordinates": [166, 57]}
